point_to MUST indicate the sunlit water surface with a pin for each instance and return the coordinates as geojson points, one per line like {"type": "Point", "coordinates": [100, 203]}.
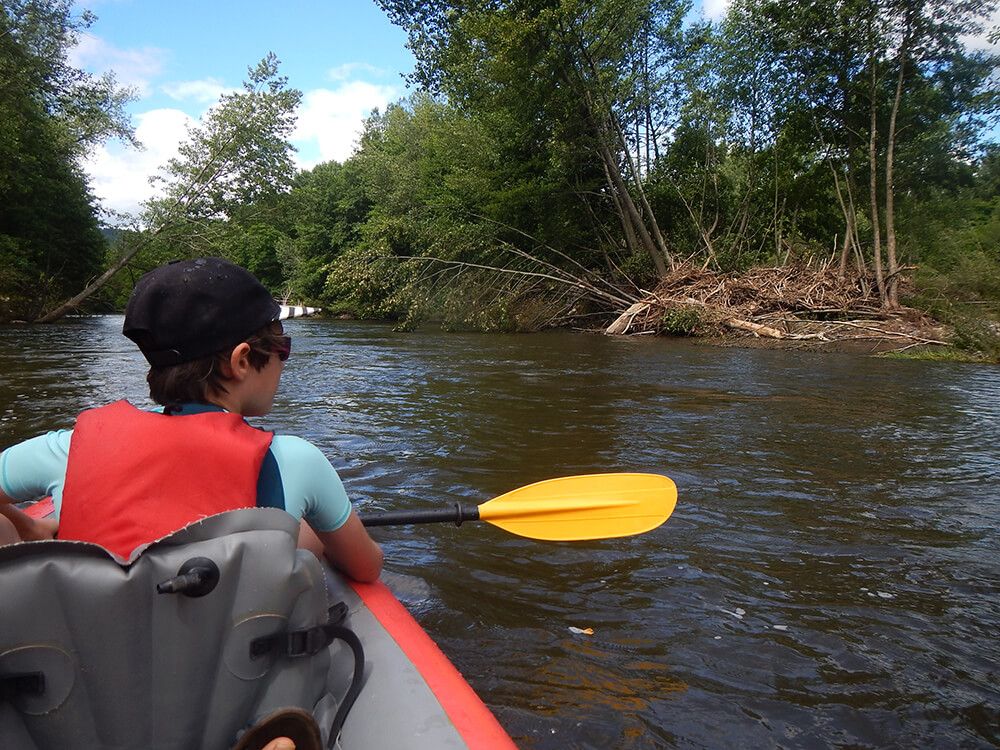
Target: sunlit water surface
{"type": "Point", "coordinates": [830, 577]}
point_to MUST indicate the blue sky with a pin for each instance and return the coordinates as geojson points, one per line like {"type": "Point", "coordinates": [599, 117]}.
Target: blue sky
{"type": "Point", "coordinates": [180, 55]}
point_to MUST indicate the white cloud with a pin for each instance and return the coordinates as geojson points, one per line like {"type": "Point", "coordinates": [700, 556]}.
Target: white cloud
{"type": "Point", "coordinates": [328, 127]}
{"type": "Point", "coordinates": [715, 10]}
{"type": "Point", "coordinates": [980, 42]}
{"type": "Point", "coordinates": [132, 67]}
{"type": "Point", "coordinates": [205, 91]}
{"type": "Point", "coordinates": [351, 70]}
{"type": "Point", "coordinates": [119, 175]}
{"type": "Point", "coordinates": [330, 121]}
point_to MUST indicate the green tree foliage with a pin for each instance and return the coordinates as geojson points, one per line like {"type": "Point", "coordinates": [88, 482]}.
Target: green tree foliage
{"type": "Point", "coordinates": [567, 149]}
{"type": "Point", "coordinates": [955, 231]}
{"type": "Point", "coordinates": [90, 109]}
{"type": "Point", "coordinates": [238, 157]}
{"type": "Point", "coordinates": [559, 85]}
{"type": "Point", "coordinates": [327, 207]}
{"type": "Point", "coordinates": [224, 190]}
{"type": "Point", "coordinates": [429, 186]}
{"type": "Point", "coordinates": [423, 180]}
{"type": "Point", "coordinates": [881, 94]}
{"type": "Point", "coordinates": [749, 142]}
{"type": "Point", "coordinates": [49, 239]}
{"type": "Point", "coordinates": [50, 114]}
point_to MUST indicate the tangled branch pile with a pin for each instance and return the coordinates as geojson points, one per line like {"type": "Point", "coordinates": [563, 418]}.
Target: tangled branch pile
{"type": "Point", "coordinates": [790, 302]}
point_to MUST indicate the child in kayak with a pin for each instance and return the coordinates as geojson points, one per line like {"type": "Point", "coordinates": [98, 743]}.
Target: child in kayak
{"type": "Point", "coordinates": [124, 477]}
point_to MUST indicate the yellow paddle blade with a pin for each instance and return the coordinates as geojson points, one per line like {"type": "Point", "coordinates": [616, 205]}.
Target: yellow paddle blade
{"type": "Point", "coordinates": [589, 506]}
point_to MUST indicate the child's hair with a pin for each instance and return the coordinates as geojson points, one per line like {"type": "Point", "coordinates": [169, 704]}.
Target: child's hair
{"type": "Point", "coordinates": [195, 381]}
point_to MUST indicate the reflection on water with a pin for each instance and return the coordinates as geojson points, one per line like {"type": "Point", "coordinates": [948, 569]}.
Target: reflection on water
{"type": "Point", "coordinates": [830, 577]}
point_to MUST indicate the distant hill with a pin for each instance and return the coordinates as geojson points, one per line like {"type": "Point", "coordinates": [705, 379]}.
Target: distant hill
{"type": "Point", "coordinates": [111, 234]}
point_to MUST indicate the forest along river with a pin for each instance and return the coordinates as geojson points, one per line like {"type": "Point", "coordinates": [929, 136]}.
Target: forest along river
{"type": "Point", "coordinates": [830, 577]}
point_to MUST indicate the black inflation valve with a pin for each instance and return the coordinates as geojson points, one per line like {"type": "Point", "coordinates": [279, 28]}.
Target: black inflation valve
{"type": "Point", "coordinates": [196, 577]}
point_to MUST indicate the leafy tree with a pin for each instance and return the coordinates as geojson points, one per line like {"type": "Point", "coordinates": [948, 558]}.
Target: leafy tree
{"type": "Point", "coordinates": [882, 90]}
{"type": "Point", "coordinates": [422, 181]}
{"type": "Point", "coordinates": [239, 156]}
{"type": "Point", "coordinates": [555, 82]}
{"type": "Point", "coordinates": [49, 114]}
{"type": "Point", "coordinates": [327, 208]}
{"type": "Point", "coordinates": [232, 168]}
{"type": "Point", "coordinates": [90, 109]}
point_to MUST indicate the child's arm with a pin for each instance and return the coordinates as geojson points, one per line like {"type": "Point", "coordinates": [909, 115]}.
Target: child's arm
{"type": "Point", "coordinates": [29, 471]}
{"type": "Point", "coordinates": [349, 548]}
{"type": "Point", "coordinates": [330, 528]}
{"type": "Point", "coordinates": [352, 551]}
{"type": "Point", "coordinates": [28, 529]}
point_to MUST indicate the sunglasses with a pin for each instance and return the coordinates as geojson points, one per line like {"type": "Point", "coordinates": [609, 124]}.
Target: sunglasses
{"type": "Point", "coordinates": [283, 347]}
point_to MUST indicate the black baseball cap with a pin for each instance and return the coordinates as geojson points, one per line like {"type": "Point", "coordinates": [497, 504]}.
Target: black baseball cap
{"type": "Point", "coordinates": [189, 309]}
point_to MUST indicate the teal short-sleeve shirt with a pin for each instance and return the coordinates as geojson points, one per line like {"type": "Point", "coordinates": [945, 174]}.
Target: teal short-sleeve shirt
{"type": "Point", "coordinates": [296, 477]}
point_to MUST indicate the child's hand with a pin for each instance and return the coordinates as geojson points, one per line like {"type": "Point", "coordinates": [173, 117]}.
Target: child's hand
{"type": "Point", "coordinates": [43, 528]}
{"type": "Point", "coordinates": [26, 528]}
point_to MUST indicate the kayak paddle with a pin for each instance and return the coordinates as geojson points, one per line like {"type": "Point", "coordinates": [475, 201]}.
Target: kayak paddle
{"type": "Point", "coordinates": [589, 506]}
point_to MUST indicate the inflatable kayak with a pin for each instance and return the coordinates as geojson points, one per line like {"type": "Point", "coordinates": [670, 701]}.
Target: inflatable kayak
{"type": "Point", "coordinates": [85, 668]}
{"type": "Point", "coordinates": [436, 706]}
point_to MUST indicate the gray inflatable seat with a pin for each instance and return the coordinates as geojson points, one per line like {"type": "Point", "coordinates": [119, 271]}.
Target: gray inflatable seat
{"type": "Point", "coordinates": [91, 656]}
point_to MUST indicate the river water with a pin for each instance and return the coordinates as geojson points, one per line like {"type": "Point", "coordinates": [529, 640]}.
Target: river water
{"type": "Point", "coordinates": [830, 578]}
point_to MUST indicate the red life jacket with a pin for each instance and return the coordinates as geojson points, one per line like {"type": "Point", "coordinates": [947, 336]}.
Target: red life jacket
{"type": "Point", "coordinates": [135, 476]}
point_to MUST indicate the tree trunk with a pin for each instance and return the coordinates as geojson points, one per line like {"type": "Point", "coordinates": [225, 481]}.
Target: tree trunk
{"type": "Point", "coordinates": [630, 208]}
{"type": "Point", "coordinates": [845, 250]}
{"type": "Point", "coordinates": [603, 120]}
{"type": "Point", "coordinates": [873, 187]}
{"type": "Point", "coordinates": [847, 211]}
{"type": "Point", "coordinates": [892, 281]}
{"type": "Point", "coordinates": [654, 228]}
{"type": "Point", "coordinates": [855, 238]}
{"type": "Point", "coordinates": [631, 241]}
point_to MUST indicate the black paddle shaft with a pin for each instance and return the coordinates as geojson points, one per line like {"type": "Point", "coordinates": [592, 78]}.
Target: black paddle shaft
{"type": "Point", "coordinates": [456, 514]}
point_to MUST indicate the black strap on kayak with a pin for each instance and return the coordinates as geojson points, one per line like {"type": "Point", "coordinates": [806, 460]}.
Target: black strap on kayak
{"type": "Point", "coordinates": [309, 641]}
{"type": "Point", "coordinates": [305, 642]}
{"type": "Point", "coordinates": [349, 637]}
{"type": "Point", "coordinates": [22, 683]}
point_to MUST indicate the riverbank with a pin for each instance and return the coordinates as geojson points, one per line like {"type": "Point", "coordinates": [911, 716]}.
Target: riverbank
{"type": "Point", "coordinates": [796, 307]}
{"type": "Point", "coordinates": [897, 346]}
{"type": "Point", "coordinates": [881, 346]}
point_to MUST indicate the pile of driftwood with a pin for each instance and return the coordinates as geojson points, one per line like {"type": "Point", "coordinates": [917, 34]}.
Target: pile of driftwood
{"type": "Point", "coordinates": [788, 302]}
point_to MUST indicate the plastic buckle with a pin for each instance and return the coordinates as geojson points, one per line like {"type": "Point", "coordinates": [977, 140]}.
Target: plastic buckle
{"type": "Point", "coordinates": [306, 642]}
